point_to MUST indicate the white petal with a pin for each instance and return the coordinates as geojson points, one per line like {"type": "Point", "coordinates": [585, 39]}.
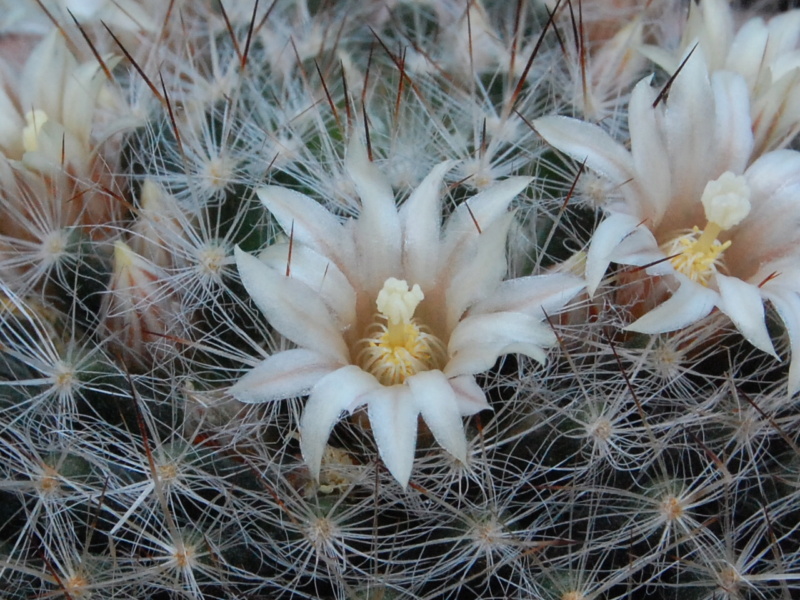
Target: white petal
{"type": "Point", "coordinates": [478, 270]}
{"type": "Point", "coordinates": [605, 240]}
{"type": "Point", "coordinates": [771, 174]}
{"type": "Point", "coordinates": [46, 75]}
{"type": "Point", "coordinates": [651, 188]}
{"type": "Point", "coordinates": [80, 97]}
{"type": "Point", "coordinates": [371, 185]}
{"type": "Point", "coordinates": [421, 217]}
{"type": "Point", "coordinates": [746, 55]}
{"type": "Point", "coordinates": [11, 124]}
{"type": "Point", "coordinates": [787, 303]}
{"type": "Point", "coordinates": [435, 399]}
{"type": "Point", "coordinates": [534, 295]}
{"type": "Point", "coordinates": [663, 57]}
{"type": "Point", "coordinates": [482, 209]}
{"type": "Point", "coordinates": [479, 340]}
{"type": "Point", "coordinates": [480, 358]}
{"type": "Point", "coordinates": [689, 304]}
{"type": "Point", "coordinates": [331, 396]}
{"type": "Point", "coordinates": [742, 302]}
{"type": "Point", "coordinates": [772, 228]}
{"type": "Point", "coordinates": [292, 308]}
{"type": "Point", "coordinates": [777, 111]}
{"type": "Point", "coordinates": [689, 130]}
{"type": "Point", "coordinates": [283, 375]}
{"type": "Point", "coordinates": [712, 22]}
{"type": "Point", "coordinates": [585, 142]}
{"type": "Point", "coordinates": [784, 34]}
{"type": "Point", "coordinates": [308, 222]}
{"type": "Point", "coordinates": [319, 274]}
{"type": "Point", "coordinates": [469, 395]}
{"type": "Point", "coordinates": [378, 227]}
{"type": "Point", "coordinates": [733, 124]}
{"type": "Point", "coordinates": [393, 417]}
{"type": "Point", "coordinates": [640, 248]}
{"type": "Point", "coordinates": [53, 142]}
{"type": "Point", "coordinates": [784, 65]}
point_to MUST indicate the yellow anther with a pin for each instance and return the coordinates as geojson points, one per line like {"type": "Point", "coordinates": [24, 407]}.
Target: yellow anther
{"type": "Point", "coordinates": [695, 255]}
{"type": "Point", "coordinates": [395, 346]}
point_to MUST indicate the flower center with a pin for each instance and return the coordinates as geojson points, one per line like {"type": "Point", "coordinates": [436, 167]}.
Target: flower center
{"type": "Point", "coordinates": [396, 346]}
{"type": "Point", "coordinates": [726, 201]}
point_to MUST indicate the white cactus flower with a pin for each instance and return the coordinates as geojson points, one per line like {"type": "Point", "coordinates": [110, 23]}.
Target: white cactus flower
{"type": "Point", "coordinates": [393, 311]}
{"type": "Point", "coordinates": [694, 206]}
{"type": "Point", "coordinates": [59, 110]}
{"type": "Point", "coordinates": [765, 52]}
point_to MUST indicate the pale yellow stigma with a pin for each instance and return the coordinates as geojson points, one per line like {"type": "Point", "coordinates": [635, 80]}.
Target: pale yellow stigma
{"type": "Point", "coordinates": [395, 346]}
{"type": "Point", "coordinates": [726, 201]}
{"type": "Point", "coordinates": [30, 133]}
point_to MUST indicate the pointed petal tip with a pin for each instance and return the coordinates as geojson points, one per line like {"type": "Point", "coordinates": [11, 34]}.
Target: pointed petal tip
{"type": "Point", "coordinates": [794, 382]}
{"type": "Point", "coordinates": [400, 473]}
{"type": "Point", "coordinates": [241, 394]}
{"type": "Point", "coordinates": [519, 182]}
{"type": "Point", "coordinates": [591, 287]}
{"type": "Point", "coordinates": [265, 194]}
{"type": "Point", "coordinates": [334, 394]}
{"type": "Point", "coordinates": [690, 303]}
{"type": "Point", "coordinates": [436, 401]}
{"type": "Point", "coordinates": [743, 303]}
{"type": "Point", "coordinates": [393, 417]}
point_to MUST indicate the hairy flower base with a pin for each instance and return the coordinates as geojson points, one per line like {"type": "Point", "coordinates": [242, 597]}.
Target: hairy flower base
{"type": "Point", "coordinates": [393, 356]}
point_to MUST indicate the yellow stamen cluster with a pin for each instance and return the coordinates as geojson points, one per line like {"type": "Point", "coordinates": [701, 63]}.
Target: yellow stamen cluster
{"type": "Point", "coordinates": [396, 346]}
{"type": "Point", "coordinates": [695, 256]}
{"type": "Point", "coordinates": [726, 201]}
